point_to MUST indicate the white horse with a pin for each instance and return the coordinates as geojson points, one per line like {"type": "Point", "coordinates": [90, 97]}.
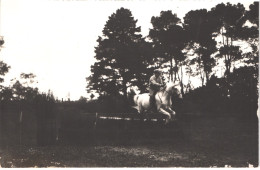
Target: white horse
{"type": "Point", "coordinates": [162, 98]}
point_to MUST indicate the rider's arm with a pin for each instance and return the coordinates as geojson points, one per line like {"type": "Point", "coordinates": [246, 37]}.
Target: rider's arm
{"type": "Point", "coordinates": [153, 81]}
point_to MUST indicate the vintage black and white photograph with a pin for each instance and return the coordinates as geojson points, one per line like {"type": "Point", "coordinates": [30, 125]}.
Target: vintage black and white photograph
{"type": "Point", "coordinates": [129, 83]}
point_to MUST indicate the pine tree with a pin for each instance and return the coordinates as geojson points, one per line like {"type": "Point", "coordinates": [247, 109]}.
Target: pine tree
{"type": "Point", "coordinates": [120, 62]}
{"type": "Point", "coordinates": [200, 28]}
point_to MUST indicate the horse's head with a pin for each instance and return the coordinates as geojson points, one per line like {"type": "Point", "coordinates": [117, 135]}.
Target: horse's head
{"type": "Point", "coordinates": [170, 87]}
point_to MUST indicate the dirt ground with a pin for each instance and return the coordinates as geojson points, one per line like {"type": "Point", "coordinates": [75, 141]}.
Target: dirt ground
{"type": "Point", "coordinates": [214, 142]}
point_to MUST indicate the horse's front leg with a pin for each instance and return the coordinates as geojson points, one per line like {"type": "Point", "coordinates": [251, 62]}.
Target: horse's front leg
{"type": "Point", "coordinates": [161, 110]}
{"type": "Point", "coordinates": [141, 111]}
{"type": "Point", "coordinates": [173, 113]}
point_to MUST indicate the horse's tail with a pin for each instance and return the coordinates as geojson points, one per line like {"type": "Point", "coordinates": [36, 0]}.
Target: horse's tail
{"type": "Point", "coordinates": [130, 96]}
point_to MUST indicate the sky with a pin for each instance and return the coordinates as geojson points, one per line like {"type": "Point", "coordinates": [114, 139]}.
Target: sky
{"type": "Point", "coordinates": [55, 39]}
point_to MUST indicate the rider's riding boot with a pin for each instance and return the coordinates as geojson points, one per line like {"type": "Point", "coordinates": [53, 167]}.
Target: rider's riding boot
{"type": "Point", "coordinates": [152, 103]}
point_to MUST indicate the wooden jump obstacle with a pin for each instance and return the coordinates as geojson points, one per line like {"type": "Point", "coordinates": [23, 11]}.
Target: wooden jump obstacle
{"type": "Point", "coordinates": [128, 119]}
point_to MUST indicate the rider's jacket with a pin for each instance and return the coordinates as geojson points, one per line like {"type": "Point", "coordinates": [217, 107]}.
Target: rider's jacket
{"type": "Point", "coordinates": [155, 83]}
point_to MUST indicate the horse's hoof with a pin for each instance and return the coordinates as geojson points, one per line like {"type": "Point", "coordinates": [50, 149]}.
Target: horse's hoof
{"type": "Point", "coordinates": [173, 119]}
{"type": "Point", "coordinates": [166, 122]}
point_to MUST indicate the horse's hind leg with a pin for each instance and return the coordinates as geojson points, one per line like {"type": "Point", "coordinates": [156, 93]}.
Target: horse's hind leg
{"type": "Point", "coordinates": [161, 110]}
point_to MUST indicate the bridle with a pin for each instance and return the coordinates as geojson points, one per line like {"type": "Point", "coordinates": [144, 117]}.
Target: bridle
{"type": "Point", "coordinates": [164, 91]}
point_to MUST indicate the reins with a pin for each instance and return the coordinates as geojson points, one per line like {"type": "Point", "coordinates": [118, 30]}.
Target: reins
{"type": "Point", "coordinates": [163, 90]}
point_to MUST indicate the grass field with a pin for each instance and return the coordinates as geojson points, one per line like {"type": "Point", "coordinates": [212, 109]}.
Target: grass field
{"type": "Point", "coordinates": [201, 142]}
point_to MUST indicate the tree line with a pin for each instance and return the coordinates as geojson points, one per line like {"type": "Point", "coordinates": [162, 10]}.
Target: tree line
{"type": "Point", "coordinates": [193, 47]}
{"type": "Point", "coordinates": [25, 109]}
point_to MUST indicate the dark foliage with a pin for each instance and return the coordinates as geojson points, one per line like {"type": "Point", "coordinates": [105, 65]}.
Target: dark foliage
{"type": "Point", "coordinates": [200, 28]}
{"type": "Point", "coordinates": [169, 39]}
{"type": "Point", "coordinates": [241, 100]}
{"type": "Point", "coordinates": [27, 111]}
{"type": "Point", "coordinates": [121, 56]}
{"type": "Point", "coordinates": [244, 91]}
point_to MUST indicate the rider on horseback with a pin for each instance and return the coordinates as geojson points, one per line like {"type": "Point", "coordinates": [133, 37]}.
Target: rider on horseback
{"type": "Point", "coordinates": [155, 83]}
